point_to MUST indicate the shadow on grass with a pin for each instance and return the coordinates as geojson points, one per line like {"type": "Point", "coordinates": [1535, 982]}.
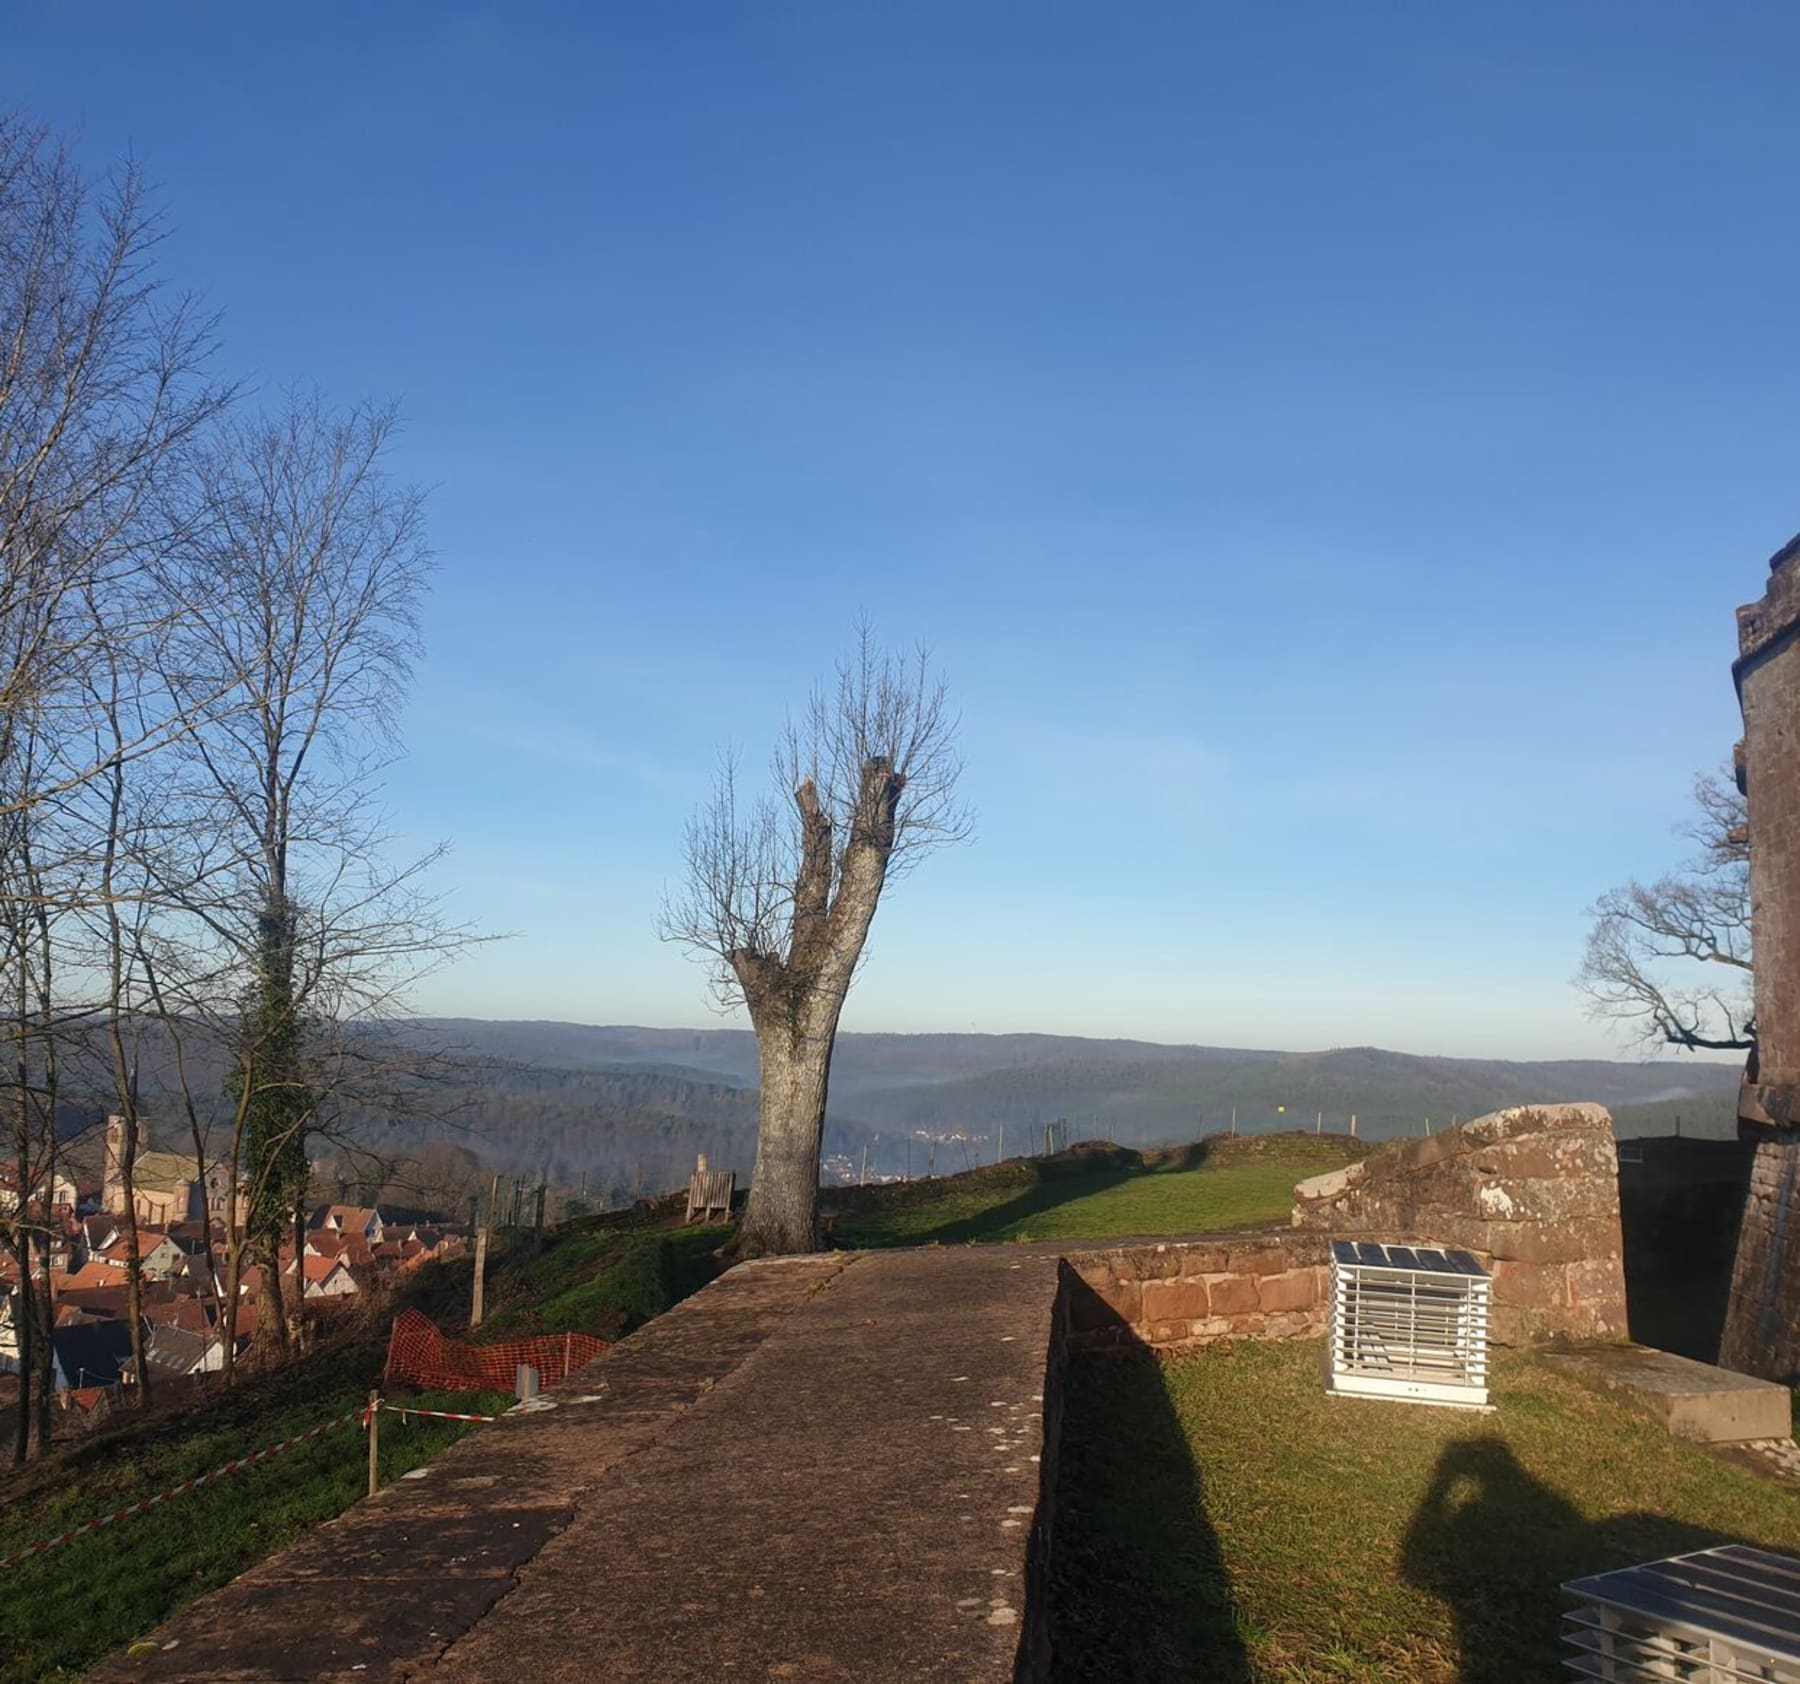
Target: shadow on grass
{"type": "Point", "coordinates": [1495, 1545]}
{"type": "Point", "coordinates": [1047, 1195]}
{"type": "Point", "coordinates": [1138, 1587]}
{"type": "Point", "coordinates": [875, 1217]}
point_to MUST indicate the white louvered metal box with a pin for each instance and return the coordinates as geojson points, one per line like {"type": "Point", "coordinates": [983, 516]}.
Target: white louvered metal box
{"type": "Point", "coordinates": [1717, 1616]}
{"type": "Point", "coordinates": [1408, 1322]}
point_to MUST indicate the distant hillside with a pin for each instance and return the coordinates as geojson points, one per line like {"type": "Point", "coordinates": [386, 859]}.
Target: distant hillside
{"type": "Point", "coordinates": [624, 1110]}
{"type": "Point", "coordinates": [569, 1097]}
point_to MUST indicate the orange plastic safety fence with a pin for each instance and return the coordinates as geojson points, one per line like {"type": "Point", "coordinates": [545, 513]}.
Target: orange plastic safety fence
{"type": "Point", "coordinates": [419, 1353]}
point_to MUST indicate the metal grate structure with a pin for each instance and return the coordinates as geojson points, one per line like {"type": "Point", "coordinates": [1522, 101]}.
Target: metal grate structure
{"type": "Point", "coordinates": [1717, 1616]}
{"type": "Point", "coordinates": [1408, 1322]}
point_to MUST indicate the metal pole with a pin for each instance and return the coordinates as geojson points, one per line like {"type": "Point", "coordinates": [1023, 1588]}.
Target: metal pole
{"type": "Point", "coordinates": [1000, 1150]}
{"type": "Point", "coordinates": [374, 1442]}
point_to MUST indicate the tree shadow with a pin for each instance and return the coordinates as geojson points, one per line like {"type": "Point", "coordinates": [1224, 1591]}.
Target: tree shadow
{"type": "Point", "coordinates": [1046, 1195]}
{"type": "Point", "coordinates": [1495, 1545]}
{"type": "Point", "coordinates": [858, 1217]}
{"type": "Point", "coordinates": [1137, 1583]}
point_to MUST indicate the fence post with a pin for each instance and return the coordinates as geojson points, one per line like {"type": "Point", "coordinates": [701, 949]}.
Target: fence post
{"type": "Point", "coordinates": [476, 1304]}
{"type": "Point", "coordinates": [568, 1354]}
{"type": "Point", "coordinates": [374, 1442]}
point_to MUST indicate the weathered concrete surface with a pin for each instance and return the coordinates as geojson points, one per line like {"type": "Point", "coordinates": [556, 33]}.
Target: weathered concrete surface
{"type": "Point", "coordinates": [811, 1469]}
{"type": "Point", "coordinates": [1535, 1188]}
{"type": "Point", "coordinates": [1692, 1399]}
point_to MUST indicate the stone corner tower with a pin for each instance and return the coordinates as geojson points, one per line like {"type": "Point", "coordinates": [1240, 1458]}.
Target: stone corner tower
{"type": "Point", "coordinates": [1762, 1328]}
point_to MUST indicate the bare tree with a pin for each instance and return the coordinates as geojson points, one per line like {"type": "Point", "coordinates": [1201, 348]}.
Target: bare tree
{"type": "Point", "coordinates": [780, 897]}
{"type": "Point", "coordinates": [290, 935]}
{"type": "Point", "coordinates": [102, 392]}
{"type": "Point", "coordinates": [1670, 960]}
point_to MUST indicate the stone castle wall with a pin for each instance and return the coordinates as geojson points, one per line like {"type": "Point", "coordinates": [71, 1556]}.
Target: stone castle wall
{"type": "Point", "coordinates": [1762, 1327]}
{"type": "Point", "coordinates": [1535, 1189]}
{"type": "Point", "coordinates": [1767, 673]}
{"type": "Point", "coordinates": [1762, 1322]}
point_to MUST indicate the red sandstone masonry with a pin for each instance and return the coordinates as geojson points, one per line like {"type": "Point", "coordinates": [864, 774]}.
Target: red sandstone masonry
{"type": "Point", "coordinates": [1272, 1285]}
{"type": "Point", "coordinates": [1762, 1327]}
{"type": "Point", "coordinates": [1535, 1188]}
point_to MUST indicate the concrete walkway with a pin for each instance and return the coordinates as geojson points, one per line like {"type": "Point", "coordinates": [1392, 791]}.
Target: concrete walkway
{"type": "Point", "coordinates": [823, 1468]}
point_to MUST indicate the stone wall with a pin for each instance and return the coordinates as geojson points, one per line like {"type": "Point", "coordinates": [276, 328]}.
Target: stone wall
{"type": "Point", "coordinates": [1767, 674]}
{"type": "Point", "coordinates": [1535, 1189]}
{"type": "Point", "coordinates": [1762, 1327]}
{"type": "Point", "coordinates": [1762, 1323]}
{"type": "Point", "coordinates": [1184, 1293]}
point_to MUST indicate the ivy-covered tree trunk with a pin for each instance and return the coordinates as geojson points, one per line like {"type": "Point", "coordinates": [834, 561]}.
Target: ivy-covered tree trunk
{"type": "Point", "coordinates": [270, 1083]}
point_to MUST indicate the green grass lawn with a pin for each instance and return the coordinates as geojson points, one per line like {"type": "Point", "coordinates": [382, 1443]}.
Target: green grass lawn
{"type": "Point", "coordinates": [1106, 1194]}
{"type": "Point", "coordinates": [61, 1611]}
{"type": "Point", "coordinates": [1219, 1517]}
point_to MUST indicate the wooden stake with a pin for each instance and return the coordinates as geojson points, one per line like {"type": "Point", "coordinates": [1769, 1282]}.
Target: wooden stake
{"type": "Point", "coordinates": [374, 1442]}
{"type": "Point", "coordinates": [476, 1298]}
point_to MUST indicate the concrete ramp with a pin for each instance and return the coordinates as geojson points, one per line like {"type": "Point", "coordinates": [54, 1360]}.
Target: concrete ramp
{"type": "Point", "coordinates": [824, 1468]}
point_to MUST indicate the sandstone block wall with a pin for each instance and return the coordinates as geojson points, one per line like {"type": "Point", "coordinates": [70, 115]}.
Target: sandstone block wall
{"type": "Point", "coordinates": [1767, 673]}
{"type": "Point", "coordinates": [1762, 1325]}
{"type": "Point", "coordinates": [1185, 1293]}
{"type": "Point", "coordinates": [1534, 1189]}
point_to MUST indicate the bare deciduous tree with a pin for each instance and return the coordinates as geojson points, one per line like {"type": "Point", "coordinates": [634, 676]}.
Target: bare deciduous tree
{"type": "Point", "coordinates": [290, 933]}
{"type": "Point", "coordinates": [1670, 960]}
{"type": "Point", "coordinates": [780, 897]}
{"type": "Point", "coordinates": [102, 391]}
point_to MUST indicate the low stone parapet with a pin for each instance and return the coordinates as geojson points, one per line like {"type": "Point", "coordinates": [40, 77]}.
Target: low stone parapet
{"type": "Point", "coordinates": [1183, 1293]}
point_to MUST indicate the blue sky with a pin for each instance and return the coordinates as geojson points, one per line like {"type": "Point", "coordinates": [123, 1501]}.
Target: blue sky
{"type": "Point", "coordinates": [1323, 445]}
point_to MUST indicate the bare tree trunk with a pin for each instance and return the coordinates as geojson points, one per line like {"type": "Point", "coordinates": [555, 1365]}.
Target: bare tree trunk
{"type": "Point", "coordinates": [46, 1355]}
{"type": "Point", "coordinates": [782, 1212]}
{"type": "Point", "coordinates": [134, 1263]}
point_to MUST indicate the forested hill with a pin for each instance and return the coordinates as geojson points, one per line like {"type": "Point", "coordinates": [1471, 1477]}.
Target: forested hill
{"type": "Point", "coordinates": [629, 1107]}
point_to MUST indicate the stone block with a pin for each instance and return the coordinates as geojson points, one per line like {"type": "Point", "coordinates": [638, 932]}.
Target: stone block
{"type": "Point", "coordinates": [1294, 1289]}
{"type": "Point", "coordinates": [1150, 1263]}
{"type": "Point", "coordinates": [1202, 1260]}
{"type": "Point", "coordinates": [1103, 1307]}
{"type": "Point", "coordinates": [1232, 1295]}
{"type": "Point", "coordinates": [1693, 1400]}
{"type": "Point", "coordinates": [1259, 1260]}
{"type": "Point", "coordinates": [1184, 1298]}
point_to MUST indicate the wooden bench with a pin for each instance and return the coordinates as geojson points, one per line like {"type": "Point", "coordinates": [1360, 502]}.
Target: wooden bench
{"type": "Point", "coordinates": [1718, 1614]}
{"type": "Point", "coordinates": [709, 1195]}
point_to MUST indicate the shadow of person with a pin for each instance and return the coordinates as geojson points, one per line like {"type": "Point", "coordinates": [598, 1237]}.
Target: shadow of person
{"type": "Point", "coordinates": [1496, 1545]}
{"type": "Point", "coordinates": [1138, 1589]}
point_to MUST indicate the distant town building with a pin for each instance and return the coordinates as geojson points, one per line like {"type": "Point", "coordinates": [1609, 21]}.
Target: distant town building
{"type": "Point", "coordinates": [166, 1186]}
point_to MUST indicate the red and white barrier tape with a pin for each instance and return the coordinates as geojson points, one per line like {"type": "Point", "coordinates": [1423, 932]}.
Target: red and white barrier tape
{"type": "Point", "coordinates": [436, 1414]}
{"type": "Point", "coordinates": [180, 1490]}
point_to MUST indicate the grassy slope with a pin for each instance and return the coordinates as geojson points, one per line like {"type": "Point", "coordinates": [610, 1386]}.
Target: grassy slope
{"type": "Point", "coordinates": [1105, 1193]}
{"type": "Point", "coordinates": [1220, 1517]}
{"type": "Point", "coordinates": [85, 1599]}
